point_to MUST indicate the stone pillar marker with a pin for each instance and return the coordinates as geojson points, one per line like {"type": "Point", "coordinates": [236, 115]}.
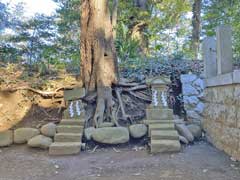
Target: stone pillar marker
{"type": "Point", "coordinates": [224, 49]}
{"type": "Point", "coordinates": [209, 57]}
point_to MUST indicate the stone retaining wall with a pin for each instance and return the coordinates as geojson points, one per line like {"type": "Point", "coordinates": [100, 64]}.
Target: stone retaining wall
{"type": "Point", "coordinates": [222, 112]}
{"type": "Point", "coordinates": [192, 90]}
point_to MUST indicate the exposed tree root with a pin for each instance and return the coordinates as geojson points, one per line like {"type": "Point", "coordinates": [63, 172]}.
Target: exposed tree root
{"type": "Point", "coordinates": [124, 103]}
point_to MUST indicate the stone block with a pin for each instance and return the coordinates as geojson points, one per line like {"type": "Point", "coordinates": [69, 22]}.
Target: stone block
{"type": "Point", "coordinates": [74, 94]}
{"type": "Point", "coordinates": [224, 49]}
{"type": "Point", "coordinates": [68, 137]}
{"type": "Point", "coordinates": [169, 126]}
{"type": "Point", "coordinates": [168, 134]}
{"type": "Point", "coordinates": [147, 122]}
{"type": "Point", "coordinates": [6, 138]}
{"type": "Point", "coordinates": [69, 129]}
{"type": "Point", "coordinates": [156, 114]}
{"type": "Point", "coordinates": [165, 146]}
{"type": "Point", "coordinates": [220, 80]}
{"type": "Point", "coordinates": [79, 122]}
{"type": "Point", "coordinates": [65, 148]}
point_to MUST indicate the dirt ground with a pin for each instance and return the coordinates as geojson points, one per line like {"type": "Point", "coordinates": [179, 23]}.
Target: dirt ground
{"type": "Point", "coordinates": [198, 162]}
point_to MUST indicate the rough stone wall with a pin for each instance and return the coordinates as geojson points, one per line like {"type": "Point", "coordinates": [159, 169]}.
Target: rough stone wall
{"type": "Point", "coordinates": [192, 90]}
{"type": "Point", "coordinates": [222, 118]}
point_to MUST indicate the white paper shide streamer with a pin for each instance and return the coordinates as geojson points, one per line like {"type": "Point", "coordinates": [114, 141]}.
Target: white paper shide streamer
{"type": "Point", "coordinates": [163, 98]}
{"type": "Point", "coordinates": [78, 108]}
{"type": "Point", "coordinates": [71, 111]}
{"type": "Point", "coordinates": [154, 98]}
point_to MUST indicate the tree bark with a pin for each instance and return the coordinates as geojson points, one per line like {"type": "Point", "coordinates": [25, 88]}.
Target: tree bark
{"type": "Point", "coordinates": [196, 23]}
{"type": "Point", "coordinates": [139, 26]}
{"type": "Point", "coordinates": [98, 56]}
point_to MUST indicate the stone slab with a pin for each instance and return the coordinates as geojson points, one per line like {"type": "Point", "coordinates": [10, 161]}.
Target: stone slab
{"type": "Point", "coordinates": [169, 126]}
{"type": "Point", "coordinates": [63, 148]}
{"type": "Point", "coordinates": [79, 122]}
{"type": "Point", "coordinates": [224, 49]}
{"type": "Point", "coordinates": [210, 57]}
{"type": "Point", "coordinates": [69, 129]}
{"type": "Point", "coordinates": [74, 94]}
{"type": "Point", "coordinates": [220, 80]}
{"type": "Point", "coordinates": [147, 122]}
{"type": "Point", "coordinates": [168, 135]}
{"type": "Point", "coordinates": [68, 137]}
{"type": "Point", "coordinates": [156, 114]}
{"type": "Point", "coordinates": [165, 146]}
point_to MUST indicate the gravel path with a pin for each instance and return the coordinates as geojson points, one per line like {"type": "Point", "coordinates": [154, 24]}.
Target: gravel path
{"type": "Point", "coordinates": [198, 162]}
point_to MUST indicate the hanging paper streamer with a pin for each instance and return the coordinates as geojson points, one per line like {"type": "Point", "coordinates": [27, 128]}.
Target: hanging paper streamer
{"type": "Point", "coordinates": [71, 111]}
{"type": "Point", "coordinates": [78, 108]}
{"type": "Point", "coordinates": [163, 98]}
{"type": "Point", "coordinates": [154, 98]}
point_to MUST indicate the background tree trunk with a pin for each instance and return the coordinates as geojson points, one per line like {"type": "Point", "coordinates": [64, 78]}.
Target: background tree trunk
{"type": "Point", "coordinates": [98, 56]}
{"type": "Point", "coordinates": [196, 23]}
{"type": "Point", "coordinates": [139, 26]}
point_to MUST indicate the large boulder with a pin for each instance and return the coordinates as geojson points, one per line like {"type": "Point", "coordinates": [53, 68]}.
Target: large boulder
{"type": "Point", "coordinates": [22, 135]}
{"type": "Point", "coordinates": [188, 78]}
{"type": "Point", "coordinates": [6, 138]}
{"type": "Point", "coordinates": [138, 130]}
{"type": "Point", "coordinates": [183, 140]}
{"type": "Point", "coordinates": [184, 131]}
{"type": "Point", "coordinates": [111, 135]}
{"type": "Point", "coordinates": [199, 84]}
{"type": "Point", "coordinates": [40, 141]}
{"type": "Point", "coordinates": [88, 133]}
{"type": "Point", "coordinates": [193, 115]}
{"type": "Point", "coordinates": [189, 90]}
{"type": "Point", "coordinates": [191, 101]}
{"type": "Point", "coordinates": [49, 129]}
{"type": "Point", "coordinates": [195, 130]}
{"type": "Point", "coordinates": [199, 108]}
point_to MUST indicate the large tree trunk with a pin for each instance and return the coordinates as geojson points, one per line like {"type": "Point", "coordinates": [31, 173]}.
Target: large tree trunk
{"type": "Point", "coordinates": [98, 56]}
{"type": "Point", "coordinates": [196, 23]}
{"type": "Point", "coordinates": [139, 26]}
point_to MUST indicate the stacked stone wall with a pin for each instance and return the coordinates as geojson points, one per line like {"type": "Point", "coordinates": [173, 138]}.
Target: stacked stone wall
{"type": "Point", "coordinates": [192, 90]}
{"type": "Point", "coordinates": [222, 118]}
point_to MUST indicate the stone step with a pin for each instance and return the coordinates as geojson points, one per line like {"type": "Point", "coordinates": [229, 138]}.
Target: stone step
{"type": "Point", "coordinates": [69, 129]}
{"type": "Point", "coordinates": [64, 148]}
{"type": "Point", "coordinates": [79, 122]}
{"type": "Point", "coordinates": [169, 126]}
{"type": "Point", "coordinates": [147, 122]}
{"type": "Point", "coordinates": [68, 137]}
{"type": "Point", "coordinates": [167, 134]}
{"type": "Point", "coordinates": [165, 146]}
{"type": "Point", "coordinates": [159, 114]}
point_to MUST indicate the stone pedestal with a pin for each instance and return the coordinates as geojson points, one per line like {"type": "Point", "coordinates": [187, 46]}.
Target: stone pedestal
{"type": "Point", "coordinates": [161, 129]}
